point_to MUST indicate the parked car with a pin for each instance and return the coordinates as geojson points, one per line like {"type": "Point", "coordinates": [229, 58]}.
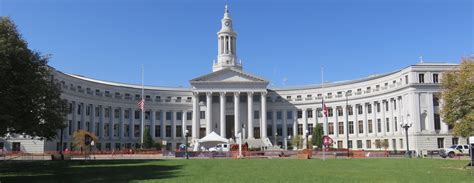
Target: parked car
{"type": "Point", "coordinates": [220, 147]}
{"type": "Point", "coordinates": [455, 150]}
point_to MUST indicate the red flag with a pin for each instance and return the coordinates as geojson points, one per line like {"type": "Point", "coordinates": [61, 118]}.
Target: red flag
{"type": "Point", "coordinates": [141, 104]}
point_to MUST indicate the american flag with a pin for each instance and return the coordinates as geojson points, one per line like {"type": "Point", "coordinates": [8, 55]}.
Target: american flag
{"type": "Point", "coordinates": [141, 104]}
{"type": "Point", "coordinates": [325, 109]}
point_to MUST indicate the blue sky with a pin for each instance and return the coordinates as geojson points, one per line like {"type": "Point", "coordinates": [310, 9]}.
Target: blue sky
{"type": "Point", "coordinates": [285, 42]}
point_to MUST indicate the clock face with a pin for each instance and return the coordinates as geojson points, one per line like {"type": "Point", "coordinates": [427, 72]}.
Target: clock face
{"type": "Point", "coordinates": [227, 23]}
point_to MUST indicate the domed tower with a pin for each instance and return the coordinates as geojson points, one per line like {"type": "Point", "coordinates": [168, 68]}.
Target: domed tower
{"type": "Point", "coordinates": [227, 45]}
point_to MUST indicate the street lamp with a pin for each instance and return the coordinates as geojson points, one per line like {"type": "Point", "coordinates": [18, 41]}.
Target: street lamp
{"type": "Point", "coordinates": [307, 133]}
{"type": "Point", "coordinates": [186, 134]}
{"type": "Point", "coordinates": [406, 126]}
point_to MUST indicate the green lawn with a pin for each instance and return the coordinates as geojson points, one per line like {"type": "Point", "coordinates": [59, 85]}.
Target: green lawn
{"type": "Point", "coordinates": [230, 170]}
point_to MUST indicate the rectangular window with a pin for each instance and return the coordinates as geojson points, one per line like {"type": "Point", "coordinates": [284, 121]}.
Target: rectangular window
{"type": "Point", "coordinates": [351, 127]}
{"type": "Point", "coordinates": [360, 126]}
{"type": "Point", "coordinates": [369, 126]}
{"type": "Point", "coordinates": [339, 111]}
{"type": "Point", "coordinates": [126, 132]}
{"type": "Point", "coordinates": [256, 114]}
{"type": "Point", "coordinates": [179, 131]}
{"type": "Point", "coordinates": [359, 109]}
{"type": "Point", "coordinates": [401, 143]}
{"type": "Point", "coordinates": [126, 114]}
{"type": "Point", "coordinates": [377, 144]}
{"type": "Point", "coordinates": [168, 131]}
{"type": "Point", "coordinates": [359, 144]}
{"type": "Point", "coordinates": [70, 127]}
{"type": "Point", "coordinates": [179, 116]}
{"type": "Point", "coordinates": [97, 129]}
{"type": "Point", "coordinates": [368, 144]}
{"type": "Point", "coordinates": [70, 108]}
{"type": "Point", "coordinates": [435, 78]}
{"type": "Point", "coordinates": [378, 106]}
{"type": "Point", "coordinates": [116, 113]}
{"type": "Point", "coordinates": [78, 125]}
{"type": "Point", "coordinates": [300, 114]}
{"type": "Point", "coordinates": [421, 78]}
{"type": "Point", "coordinates": [310, 113]}
{"type": "Point", "coordinates": [279, 130]}
{"type": "Point", "coordinates": [158, 115]}
{"type": "Point", "coordinates": [106, 130]}
{"type": "Point", "coordinates": [341, 128]}
{"type": "Point", "coordinates": [157, 130]}
{"type": "Point", "coordinates": [136, 130]}
{"type": "Point", "coordinates": [137, 114]}
{"type": "Point", "coordinates": [88, 110]}
{"type": "Point", "coordinates": [310, 129]}
{"type": "Point", "coordinates": [88, 126]}
{"type": "Point", "coordinates": [79, 109]}
{"type": "Point", "coordinates": [440, 143]}
{"type": "Point", "coordinates": [387, 124]}
{"type": "Point", "coordinates": [269, 115]}
{"type": "Point", "coordinates": [189, 116]}
{"type": "Point", "coordinates": [330, 113]}
{"type": "Point", "coordinates": [350, 110]}
{"type": "Point", "coordinates": [350, 144]}
{"type": "Point", "coordinates": [107, 112]}
{"type": "Point", "coordinates": [386, 106]}
{"type": "Point", "coordinates": [279, 115]}
{"type": "Point", "coordinates": [202, 115]}
{"type": "Point", "coordinates": [116, 130]}
{"type": "Point", "coordinates": [339, 144]}
{"type": "Point", "coordinates": [406, 79]}
{"type": "Point", "coordinates": [369, 108]}
{"type": "Point", "coordinates": [395, 123]}
{"type": "Point", "coordinates": [168, 116]}
{"type": "Point", "coordinates": [97, 111]}
{"type": "Point", "coordinates": [330, 128]}
{"type": "Point", "coordinates": [319, 112]}
{"type": "Point", "coordinates": [147, 115]}
{"type": "Point", "coordinates": [289, 114]}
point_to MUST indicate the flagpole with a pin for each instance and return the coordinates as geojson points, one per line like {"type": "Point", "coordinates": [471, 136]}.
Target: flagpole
{"type": "Point", "coordinates": [143, 109]}
{"type": "Point", "coordinates": [322, 107]}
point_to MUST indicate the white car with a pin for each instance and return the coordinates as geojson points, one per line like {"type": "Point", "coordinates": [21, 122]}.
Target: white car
{"type": "Point", "coordinates": [455, 150]}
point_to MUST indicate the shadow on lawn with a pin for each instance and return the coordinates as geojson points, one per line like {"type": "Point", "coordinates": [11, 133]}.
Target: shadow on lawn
{"type": "Point", "coordinates": [86, 171]}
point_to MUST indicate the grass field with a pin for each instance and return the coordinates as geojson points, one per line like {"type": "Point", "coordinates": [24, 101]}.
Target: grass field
{"type": "Point", "coordinates": [229, 170]}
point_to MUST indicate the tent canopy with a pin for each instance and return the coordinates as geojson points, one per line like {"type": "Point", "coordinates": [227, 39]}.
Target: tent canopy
{"type": "Point", "coordinates": [213, 137]}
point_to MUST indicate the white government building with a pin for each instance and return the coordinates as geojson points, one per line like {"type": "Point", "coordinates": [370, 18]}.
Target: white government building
{"type": "Point", "coordinates": [228, 100]}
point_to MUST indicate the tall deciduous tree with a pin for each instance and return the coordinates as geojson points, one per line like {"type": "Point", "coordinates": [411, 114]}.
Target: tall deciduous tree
{"type": "Point", "coordinates": [147, 139]}
{"type": "Point", "coordinates": [458, 98]}
{"type": "Point", "coordinates": [317, 138]}
{"type": "Point", "coordinates": [29, 99]}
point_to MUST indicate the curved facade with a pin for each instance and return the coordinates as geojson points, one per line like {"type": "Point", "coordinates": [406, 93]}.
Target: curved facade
{"type": "Point", "coordinates": [229, 101]}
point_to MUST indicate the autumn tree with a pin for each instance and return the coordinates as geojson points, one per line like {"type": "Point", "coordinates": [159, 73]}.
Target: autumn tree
{"type": "Point", "coordinates": [30, 100]}
{"type": "Point", "coordinates": [458, 98]}
{"type": "Point", "coordinates": [80, 137]}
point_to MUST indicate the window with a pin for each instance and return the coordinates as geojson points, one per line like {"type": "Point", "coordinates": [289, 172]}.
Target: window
{"type": "Point", "coordinates": [377, 105]}
{"type": "Point", "coordinates": [437, 122]}
{"type": "Point", "coordinates": [269, 115]}
{"type": "Point", "coordinates": [278, 114]}
{"type": "Point", "coordinates": [310, 129]}
{"type": "Point", "coordinates": [88, 126]}
{"type": "Point", "coordinates": [339, 111]}
{"type": "Point", "coordinates": [107, 112]}
{"type": "Point", "coordinates": [116, 113]}
{"type": "Point", "coordinates": [136, 130]}
{"type": "Point", "coordinates": [88, 110]}
{"type": "Point", "coordinates": [359, 144]}
{"type": "Point", "coordinates": [339, 144]}
{"type": "Point", "coordinates": [97, 129]}
{"type": "Point", "coordinates": [401, 143]}
{"type": "Point", "coordinates": [455, 141]}
{"type": "Point", "coordinates": [70, 108]}
{"type": "Point", "coordinates": [202, 115]}
{"type": "Point", "coordinates": [300, 129]}
{"type": "Point", "coordinates": [319, 113]}
{"type": "Point", "coordinates": [289, 114]}
{"type": "Point", "coordinates": [387, 124]}
{"type": "Point", "coordinates": [158, 115]}
{"type": "Point", "coordinates": [340, 128]}
{"type": "Point", "coordinates": [137, 114]}
{"type": "Point", "coordinates": [435, 78]}
{"type": "Point", "coordinates": [70, 127]}
{"type": "Point", "coordinates": [179, 116]}
{"type": "Point", "coordinates": [116, 130]}
{"type": "Point", "coordinates": [157, 130]}
{"type": "Point", "coordinates": [79, 109]}
{"type": "Point", "coordinates": [147, 114]}
{"type": "Point", "coordinates": [310, 113]}
{"type": "Point", "coordinates": [189, 116]}
{"type": "Point", "coordinates": [126, 132]}
{"type": "Point", "coordinates": [78, 125]}
{"type": "Point", "coordinates": [395, 123]}
{"type": "Point", "coordinates": [369, 108]}
{"type": "Point", "coordinates": [368, 144]}
{"type": "Point", "coordinates": [97, 111]}
{"type": "Point", "coordinates": [300, 114]}
{"type": "Point", "coordinates": [256, 114]}
{"type": "Point", "coordinates": [351, 127]}
{"type": "Point", "coordinates": [330, 128]}
{"type": "Point", "coordinates": [127, 114]}
{"type": "Point", "coordinates": [179, 131]}
{"type": "Point", "coordinates": [349, 145]}
{"type": "Point", "coordinates": [361, 126]}
{"type": "Point", "coordinates": [394, 104]}
{"type": "Point", "coordinates": [330, 112]}
{"type": "Point", "coordinates": [359, 109]}
{"type": "Point", "coordinates": [350, 110]}
{"type": "Point", "coordinates": [369, 124]}
{"type": "Point", "coordinates": [379, 125]}
{"type": "Point", "coordinates": [279, 130]}
{"type": "Point", "coordinates": [168, 131]}
{"type": "Point", "coordinates": [168, 115]}
{"type": "Point", "coordinates": [421, 78]}
{"type": "Point", "coordinates": [377, 144]}
{"type": "Point", "coordinates": [440, 143]}
{"type": "Point", "coordinates": [406, 79]}
{"type": "Point", "coordinates": [106, 130]}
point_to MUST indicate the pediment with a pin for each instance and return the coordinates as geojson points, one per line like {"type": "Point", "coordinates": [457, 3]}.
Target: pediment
{"type": "Point", "coordinates": [229, 76]}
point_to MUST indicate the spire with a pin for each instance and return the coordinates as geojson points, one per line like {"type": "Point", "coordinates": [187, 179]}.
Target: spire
{"type": "Point", "coordinates": [227, 42]}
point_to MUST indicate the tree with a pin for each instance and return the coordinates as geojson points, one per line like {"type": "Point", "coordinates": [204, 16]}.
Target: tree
{"type": "Point", "coordinates": [384, 144]}
{"type": "Point", "coordinates": [458, 98]}
{"type": "Point", "coordinates": [30, 98]}
{"type": "Point", "coordinates": [317, 138]}
{"type": "Point", "coordinates": [147, 139]}
{"type": "Point", "coordinates": [296, 141]}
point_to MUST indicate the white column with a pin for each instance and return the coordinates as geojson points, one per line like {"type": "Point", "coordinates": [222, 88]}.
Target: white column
{"type": "Point", "coordinates": [237, 126]}
{"type": "Point", "coordinates": [208, 113]}
{"type": "Point", "coordinates": [305, 126]}
{"type": "Point", "coordinates": [295, 122]}
{"type": "Point", "coordinates": [365, 123]}
{"type": "Point", "coordinates": [384, 128]}
{"type": "Point", "coordinates": [173, 124]}
{"type": "Point", "coordinates": [430, 122]}
{"type": "Point", "coordinates": [121, 123]}
{"type": "Point", "coordinates": [162, 124]}
{"type": "Point", "coordinates": [274, 125]}
{"type": "Point", "coordinates": [250, 114]}
{"type": "Point", "coordinates": [222, 115]}
{"type": "Point", "coordinates": [392, 116]}
{"type": "Point", "coordinates": [195, 122]}
{"type": "Point", "coordinates": [263, 111]}
{"type": "Point", "coordinates": [285, 128]}
{"type": "Point", "coordinates": [374, 121]}
{"type": "Point", "coordinates": [183, 123]}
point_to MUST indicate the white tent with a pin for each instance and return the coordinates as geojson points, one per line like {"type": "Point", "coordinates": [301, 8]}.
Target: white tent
{"type": "Point", "coordinates": [211, 140]}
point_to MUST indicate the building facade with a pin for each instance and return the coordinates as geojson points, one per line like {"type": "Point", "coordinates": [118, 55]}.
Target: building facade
{"type": "Point", "coordinates": [228, 101]}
